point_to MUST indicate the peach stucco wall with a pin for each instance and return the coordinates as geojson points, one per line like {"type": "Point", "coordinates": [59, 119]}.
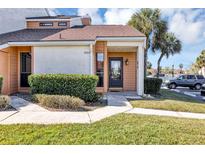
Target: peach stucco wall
{"type": "Point", "coordinates": [129, 71]}
{"type": "Point", "coordinates": [4, 70]}
{"type": "Point", "coordinates": [9, 68]}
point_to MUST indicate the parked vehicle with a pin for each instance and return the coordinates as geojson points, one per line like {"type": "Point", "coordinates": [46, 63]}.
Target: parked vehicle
{"type": "Point", "coordinates": [203, 90]}
{"type": "Point", "coordinates": [191, 81]}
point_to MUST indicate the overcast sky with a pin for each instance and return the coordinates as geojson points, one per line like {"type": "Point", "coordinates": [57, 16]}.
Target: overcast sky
{"type": "Point", "coordinates": [187, 24]}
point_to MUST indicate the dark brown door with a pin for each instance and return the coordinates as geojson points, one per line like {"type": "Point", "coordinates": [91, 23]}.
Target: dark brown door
{"type": "Point", "coordinates": [116, 72]}
{"type": "Point", "coordinates": [25, 69]}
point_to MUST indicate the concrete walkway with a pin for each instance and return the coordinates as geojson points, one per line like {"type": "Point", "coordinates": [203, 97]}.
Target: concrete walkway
{"type": "Point", "coordinates": [167, 113]}
{"type": "Point", "coordinates": [117, 103]}
{"type": "Point", "coordinates": [32, 113]}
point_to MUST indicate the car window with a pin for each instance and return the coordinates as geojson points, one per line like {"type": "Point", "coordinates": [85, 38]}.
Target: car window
{"type": "Point", "coordinates": [191, 77]}
{"type": "Point", "coordinates": [200, 77]}
{"type": "Point", "coordinates": [182, 77]}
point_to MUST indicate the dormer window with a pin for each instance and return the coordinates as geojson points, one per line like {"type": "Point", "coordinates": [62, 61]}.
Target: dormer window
{"type": "Point", "coordinates": [62, 23]}
{"type": "Point", "coordinates": [46, 24]}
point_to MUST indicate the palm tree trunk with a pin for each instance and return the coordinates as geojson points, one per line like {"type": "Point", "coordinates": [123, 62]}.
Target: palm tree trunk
{"type": "Point", "coordinates": [158, 64]}
{"type": "Point", "coordinates": [145, 63]}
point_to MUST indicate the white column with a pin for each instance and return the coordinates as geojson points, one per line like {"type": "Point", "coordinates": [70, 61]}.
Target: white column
{"type": "Point", "coordinates": [91, 59]}
{"type": "Point", "coordinates": [140, 70]}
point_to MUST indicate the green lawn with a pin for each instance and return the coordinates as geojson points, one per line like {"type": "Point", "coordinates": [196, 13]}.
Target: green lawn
{"type": "Point", "coordinates": [169, 100]}
{"type": "Point", "coordinates": [119, 129]}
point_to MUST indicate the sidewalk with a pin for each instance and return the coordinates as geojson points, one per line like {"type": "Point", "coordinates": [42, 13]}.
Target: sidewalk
{"type": "Point", "coordinates": [167, 113]}
{"type": "Point", "coordinates": [32, 113]}
{"type": "Point", "coordinates": [29, 113]}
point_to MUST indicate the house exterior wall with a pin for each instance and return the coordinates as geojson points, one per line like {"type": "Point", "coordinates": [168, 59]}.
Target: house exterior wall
{"type": "Point", "coordinates": [67, 59]}
{"type": "Point", "coordinates": [202, 71]}
{"type": "Point", "coordinates": [13, 65]}
{"type": "Point", "coordinates": [4, 70]}
{"type": "Point", "coordinates": [10, 68]}
{"type": "Point", "coordinates": [36, 24]}
{"type": "Point", "coordinates": [101, 47]}
{"type": "Point", "coordinates": [129, 71]}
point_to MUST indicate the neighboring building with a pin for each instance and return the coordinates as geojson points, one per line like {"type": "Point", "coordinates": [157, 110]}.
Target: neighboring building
{"type": "Point", "coordinates": [14, 19]}
{"type": "Point", "coordinates": [202, 71]}
{"type": "Point", "coordinates": [71, 45]}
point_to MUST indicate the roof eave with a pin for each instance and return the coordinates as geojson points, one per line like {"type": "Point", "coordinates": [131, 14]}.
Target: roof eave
{"type": "Point", "coordinates": [51, 43]}
{"type": "Point", "coordinates": [124, 38]}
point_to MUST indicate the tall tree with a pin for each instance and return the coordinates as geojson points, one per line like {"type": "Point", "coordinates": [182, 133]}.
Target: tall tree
{"type": "Point", "coordinates": [200, 61]}
{"type": "Point", "coordinates": [181, 67]}
{"type": "Point", "coordinates": [147, 21]}
{"type": "Point", "coordinates": [149, 65]}
{"type": "Point", "coordinates": [168, 45]}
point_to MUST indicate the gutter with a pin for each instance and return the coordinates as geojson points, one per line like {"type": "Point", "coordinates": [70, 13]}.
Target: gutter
{"type": "Point", "coordinates": [129, 39]}
{"type": "Point", "coordinates": [50, 43]}
{"type": "Point", "coordinates": [4, 46]}
{"type": "Point", "coordinates": [74, 42]}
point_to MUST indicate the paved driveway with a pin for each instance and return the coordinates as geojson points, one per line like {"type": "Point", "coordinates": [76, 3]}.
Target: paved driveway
{"type": "Point", "coordinates": [193, 93]}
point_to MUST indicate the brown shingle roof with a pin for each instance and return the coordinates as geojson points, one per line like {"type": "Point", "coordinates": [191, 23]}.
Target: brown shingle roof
{"type": "Point", "coordinates": [85, 33]}
{"type": "Point", "coordinates": [27, 35]}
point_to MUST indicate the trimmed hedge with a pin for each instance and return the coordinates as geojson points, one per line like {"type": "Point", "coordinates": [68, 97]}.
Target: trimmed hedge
{"type": "Point", "coordinates": [58, 101]}
{"type": "Point", "coordinates": [82, 86]}
{"type": "Point", "coordinates": [152, 85]}
{"type": "Point", "coordinates": [1, 83]}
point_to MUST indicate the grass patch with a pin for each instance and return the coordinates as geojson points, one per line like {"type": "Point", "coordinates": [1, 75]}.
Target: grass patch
{"type": "Point", "coordinates": [119, 129]}
{"type": "Point", "coordinates": [168, 100]}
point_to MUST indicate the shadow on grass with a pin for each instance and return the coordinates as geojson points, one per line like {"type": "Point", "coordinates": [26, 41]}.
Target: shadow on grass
{"type": "Point", "coordinates": [166, 94]}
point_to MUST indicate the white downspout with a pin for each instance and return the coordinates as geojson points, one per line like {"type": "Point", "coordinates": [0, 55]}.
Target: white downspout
{"type": "Point", "coordinates": [140, 70]}
{"type": "Point", "coordinates": [91, 59]}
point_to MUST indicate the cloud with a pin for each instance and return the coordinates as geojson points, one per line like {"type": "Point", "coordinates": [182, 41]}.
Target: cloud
{"type": "Point", "coordinates": [53, 12]}
{"type": "Point", "coordinates": [118, 16]}
{"type": "Point", "coordinates": [187, 24]}
{"type": "Point", "coordinates": [93, 13]}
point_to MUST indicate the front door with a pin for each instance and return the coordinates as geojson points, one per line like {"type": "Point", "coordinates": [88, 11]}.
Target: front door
{"type": "Point", "coordinates": [25, 69]}
{"type": "Point", "coordinates": [116, 72]}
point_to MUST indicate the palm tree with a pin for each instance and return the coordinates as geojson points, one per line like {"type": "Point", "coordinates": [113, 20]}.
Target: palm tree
{"type": "Point", "coordinates": [167, 45]}
{"type": "Point", "coordinates": [149, 65]}
{"type": "Point", "coordinates": [200, 61]}
{"type": "Point", "coordinates": [181, 67]}
{"type": "Point", "coordinates": [147, 21]}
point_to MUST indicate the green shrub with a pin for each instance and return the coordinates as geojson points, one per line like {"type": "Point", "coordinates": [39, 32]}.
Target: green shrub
{"type": "Point", "coordinates": [58, 101]}
{"type": "Point", "coordinates": [1, 83]}
{"type": "Point", "coordinates": [152, 85]}
{"type": "Point", "coordinates": [4, 101]}
{"type": "Point", "coordinates": [82, 86]}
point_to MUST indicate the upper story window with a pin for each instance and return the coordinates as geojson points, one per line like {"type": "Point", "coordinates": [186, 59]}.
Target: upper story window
{"type": "Point", "coordinates": [62, 23]}
{"type": "Point", "coordinates": [46, 23]}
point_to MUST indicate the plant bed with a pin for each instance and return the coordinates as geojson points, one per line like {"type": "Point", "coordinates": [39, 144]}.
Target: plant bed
{"type": "Point", "coordinates": [5, 103]}
{"type": "Point", "coordinates": [88, 106]}
{"type": "Point", "coordinates": [65, 103]}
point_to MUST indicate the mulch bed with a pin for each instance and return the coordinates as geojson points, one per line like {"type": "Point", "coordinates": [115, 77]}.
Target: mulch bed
{"type": "Point", "coordinates": [8, 108]}
{"type": "Point", "coordinates": [88, 107]}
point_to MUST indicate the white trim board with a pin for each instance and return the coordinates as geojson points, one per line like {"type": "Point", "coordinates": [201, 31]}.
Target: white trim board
{"type": "Point", "coordinates": [51, 43]}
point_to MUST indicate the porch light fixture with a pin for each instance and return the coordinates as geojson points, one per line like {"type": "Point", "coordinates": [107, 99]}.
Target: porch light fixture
{"type": "Point", "coordinates": [126, 62]}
